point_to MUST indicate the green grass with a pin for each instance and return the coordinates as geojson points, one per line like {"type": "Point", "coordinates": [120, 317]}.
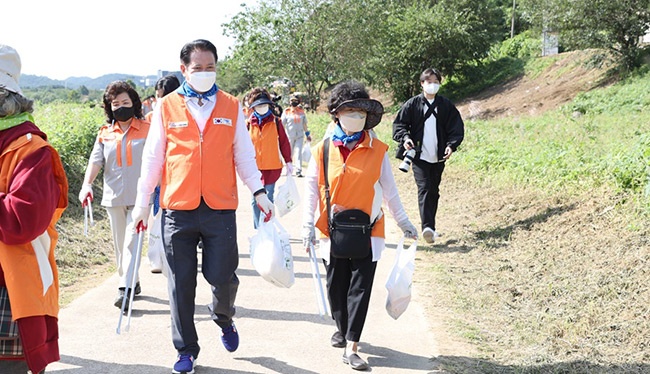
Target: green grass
{"type": "Point", "coordinates": [601, 138]}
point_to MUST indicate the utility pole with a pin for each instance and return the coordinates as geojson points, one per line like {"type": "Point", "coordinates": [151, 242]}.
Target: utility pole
{"type": "Point", "coordinates": [512, 24]}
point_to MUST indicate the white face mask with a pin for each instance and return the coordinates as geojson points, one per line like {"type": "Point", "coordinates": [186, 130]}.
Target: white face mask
{"type": "Point", "coordinates": [353, 121]}
{"type": "Point", "coordinates": [431, 88]}
{"type": "Point", "coordinates": [262, 109]}
{"type": "Point", "coordinates": [202, 81]}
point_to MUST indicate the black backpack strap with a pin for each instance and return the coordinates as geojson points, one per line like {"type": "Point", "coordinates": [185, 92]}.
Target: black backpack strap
{"type": "Point", "coordinates": [326, 153]}
{"type": "Point", "coordinates": [431, 109]}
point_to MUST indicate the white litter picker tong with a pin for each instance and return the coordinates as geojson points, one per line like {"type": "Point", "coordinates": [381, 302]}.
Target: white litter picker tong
{"type": "Point", "coordinates": [88, 214]}
{"type": "Point", "coordinates": [323, 310]}
{"type": "Point", "coordinates": [133, 269]}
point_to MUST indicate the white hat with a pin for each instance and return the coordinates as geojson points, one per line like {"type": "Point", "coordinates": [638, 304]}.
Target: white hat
{"type": "Point", "coordinates": [9, 69]}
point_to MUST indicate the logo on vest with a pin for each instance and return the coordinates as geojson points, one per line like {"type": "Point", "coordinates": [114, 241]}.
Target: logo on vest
{"type": "Point", "coordinates": [222, 121]}
{"type": "Point", "coordinates": [175, 125]}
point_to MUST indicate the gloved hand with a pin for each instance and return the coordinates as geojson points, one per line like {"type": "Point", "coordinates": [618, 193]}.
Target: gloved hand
{"type": "Point", "coordinates": [408, 229]}
{"type": "Point", "coordinates": [265, 205]}
{"type": "Point", "coordinates": [140, 214]}
{"type": "Point", "coordinates": [308, 235]}
{"type": "Point", "coordinates": [86, 191]}
{"type": "Point", "coordinates": [289, 167]}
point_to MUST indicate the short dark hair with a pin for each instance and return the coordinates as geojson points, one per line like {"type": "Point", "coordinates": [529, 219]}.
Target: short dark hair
{"type": "Point", "coordinates": [428, 73]}
{"type": "Point", "coordinates": [115, 88]}
{"type": "Point", "coordinates": [198, 44]}
{"type": "Point", "coordinates": [344, 91]}
{"type": "Point", "coordinates": [168, 84]}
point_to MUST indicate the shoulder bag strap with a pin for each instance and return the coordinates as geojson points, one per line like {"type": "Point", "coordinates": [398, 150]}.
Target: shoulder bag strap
{"type": "Point", "coordinates": [326, 152]}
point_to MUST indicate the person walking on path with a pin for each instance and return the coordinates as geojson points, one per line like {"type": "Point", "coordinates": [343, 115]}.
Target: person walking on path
{"type": "Point", "coordinates": [163, 86]}
{"type": "Point", "coordinates": [432, 126]}
{"type": "Point", "coordinates": [198, 140]}
{"type": "Point", "coordinates": [295, 122]}
{"type": "Point", "coordinates": [270, 142]}
{"type": "Point", "coordinates": [360, 177]}
{"type": "Point", "coordinates": [33, 195]}
{"type": "Point", "coordinates": [156, 250]}
{"type": "Point", "coordinates": [118, 150]}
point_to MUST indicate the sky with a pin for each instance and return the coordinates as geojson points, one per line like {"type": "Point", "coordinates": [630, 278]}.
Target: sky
{"type": "Point", "coordinates": [80, 38]}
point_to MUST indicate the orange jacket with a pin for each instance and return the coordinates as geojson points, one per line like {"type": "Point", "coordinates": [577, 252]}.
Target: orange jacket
{"type": "Point", "coordinates": [267, 145]}
{"type": "Point", "coordinates": [199, 164]}
{"type": "Point", "coordinates": [352, 185]}
{"type": "Point", "coordinates": [29, 291]}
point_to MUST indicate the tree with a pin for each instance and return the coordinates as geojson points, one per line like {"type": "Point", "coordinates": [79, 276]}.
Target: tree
{"type": "Point", "coordinates": [445, 34]}
{"type": "Point", "coordinates": [615, 25]}
{"type": "Point", "coordinates": [385, 43]}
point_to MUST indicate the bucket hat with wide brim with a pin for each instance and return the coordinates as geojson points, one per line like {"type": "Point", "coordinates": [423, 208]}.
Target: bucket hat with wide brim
{"type": "Point", "coordinates": [372, 107]}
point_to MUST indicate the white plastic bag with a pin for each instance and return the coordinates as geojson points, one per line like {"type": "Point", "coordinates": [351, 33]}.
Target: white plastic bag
{"type": "Point", "coordinates": [306, 152]}
{"type": "Point", "coordinates": [400, 280]}
{"type": "Point", "coordinates": [287, 196]}
{"type": "Point", "coordinates": [270, 252]}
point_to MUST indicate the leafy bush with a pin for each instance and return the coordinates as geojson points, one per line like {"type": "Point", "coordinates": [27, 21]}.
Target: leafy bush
{"type": "Point", "coordinates": [522, 46]}
{"type": "Point", "coordinates": [71, 129]}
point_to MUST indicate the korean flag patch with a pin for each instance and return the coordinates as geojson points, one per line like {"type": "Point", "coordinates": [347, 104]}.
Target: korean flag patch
{"type": "Point", "coordinates": [222, 121]}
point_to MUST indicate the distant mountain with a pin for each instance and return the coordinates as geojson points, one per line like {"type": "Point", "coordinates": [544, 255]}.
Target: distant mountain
{"type": "Point", "coordinates": [100, 83]}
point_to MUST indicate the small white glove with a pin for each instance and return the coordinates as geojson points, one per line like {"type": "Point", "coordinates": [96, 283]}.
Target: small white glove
{"type": "Point", "coordinates": [265, 205]}
{"type": "Point", "coordinates": [140, 214]}
{"type": "Point", "coordinates": [408, 229]}
{"type": "Point", "coordinates": [308, 235]}
{"type": "Point", "coordinates": [289, 167]}
{"type": "Point", "coordinates": [86, 191]}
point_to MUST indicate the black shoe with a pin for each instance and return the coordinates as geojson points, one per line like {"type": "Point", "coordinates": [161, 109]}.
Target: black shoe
{"type": "Point", "coordinates": [120, 298]}
{"type": "Point", "coordinates": [138, 290]}
{"type": "Point", "coordinates": [299, 174]}
{"type": "Point", "coordinates": [355, 362]}
{"type": "Point", "coordinates": [338, 340]}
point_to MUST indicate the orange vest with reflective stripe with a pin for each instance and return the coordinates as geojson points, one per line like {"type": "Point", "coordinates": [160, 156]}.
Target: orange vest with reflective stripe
{"type": "Point", "coordinates": [19, 262]}
{"type": "Point", "coordinates": [267, 145]}
{"type": "Point", "coordinates": [199, 164]}
{"type": "Point", "coordinates": [352, 184]}
{"type": "Point", "coordinates": [139, 130]}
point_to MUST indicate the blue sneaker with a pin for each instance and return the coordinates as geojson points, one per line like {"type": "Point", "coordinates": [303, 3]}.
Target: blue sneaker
{"type": "Point", "coordinates": [184, 365]}
{"type": "Point", "coordinates": [230, 338]}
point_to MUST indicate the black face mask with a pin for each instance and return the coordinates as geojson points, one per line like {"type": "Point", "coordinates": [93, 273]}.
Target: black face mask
{"type": "Point", "coordinates": [294, 103]}
{"type": "Point", "coordinates": [123, 113]}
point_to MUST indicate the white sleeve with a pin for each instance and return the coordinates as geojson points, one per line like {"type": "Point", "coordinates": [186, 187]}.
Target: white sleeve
{"type": "Point", "coordinates": [153, 158]}
{"type": "Point", "coordinates": [245, 155]}
{"type": "Point", "coordinates": [391, 195]}
{"type": "Point", "coordinates": [311, 199]}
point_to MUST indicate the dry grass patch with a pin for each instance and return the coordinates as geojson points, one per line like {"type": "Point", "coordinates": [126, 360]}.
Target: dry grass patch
{"type": "Point", "coordinates": [534, 282]}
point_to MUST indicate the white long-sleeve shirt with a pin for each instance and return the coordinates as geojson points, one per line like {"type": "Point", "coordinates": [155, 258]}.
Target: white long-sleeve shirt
{"type": "Point", "coordinates": [389, 194]}
{"type": "Point", "coordinates": [153, 156]}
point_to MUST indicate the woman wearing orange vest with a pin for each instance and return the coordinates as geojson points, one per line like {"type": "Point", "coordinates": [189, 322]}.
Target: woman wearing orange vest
{"type": "Point", "coordinates": [360, 177]}
{"type": "Point", "coordinates": [33, 195]}
{"type": "Point", "coordinates": [118, 149]}
{"type": "Point", "coordinates": [197, 147]}
{"type": "Point", "coordinates": [270, 141]}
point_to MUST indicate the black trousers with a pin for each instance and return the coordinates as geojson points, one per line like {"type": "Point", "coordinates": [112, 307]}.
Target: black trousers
{"type": "Point", "coordinates": [349, 283]}
{"type": "Point", "coordinates": [182, 230]}
{"type": "Point", "coordinates": [427, 178]}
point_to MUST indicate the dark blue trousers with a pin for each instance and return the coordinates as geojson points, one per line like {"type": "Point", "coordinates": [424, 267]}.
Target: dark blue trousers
{"type": "Point", "coordinates": [182, 230]}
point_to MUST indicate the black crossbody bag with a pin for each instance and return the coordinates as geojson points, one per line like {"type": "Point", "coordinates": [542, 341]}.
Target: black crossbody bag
{"type": "Point", "coordinates": [349, 229]}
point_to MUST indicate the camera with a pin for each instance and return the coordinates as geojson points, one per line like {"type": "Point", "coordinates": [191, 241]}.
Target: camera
{"type": "Point", "coordinates": [408, 160]}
